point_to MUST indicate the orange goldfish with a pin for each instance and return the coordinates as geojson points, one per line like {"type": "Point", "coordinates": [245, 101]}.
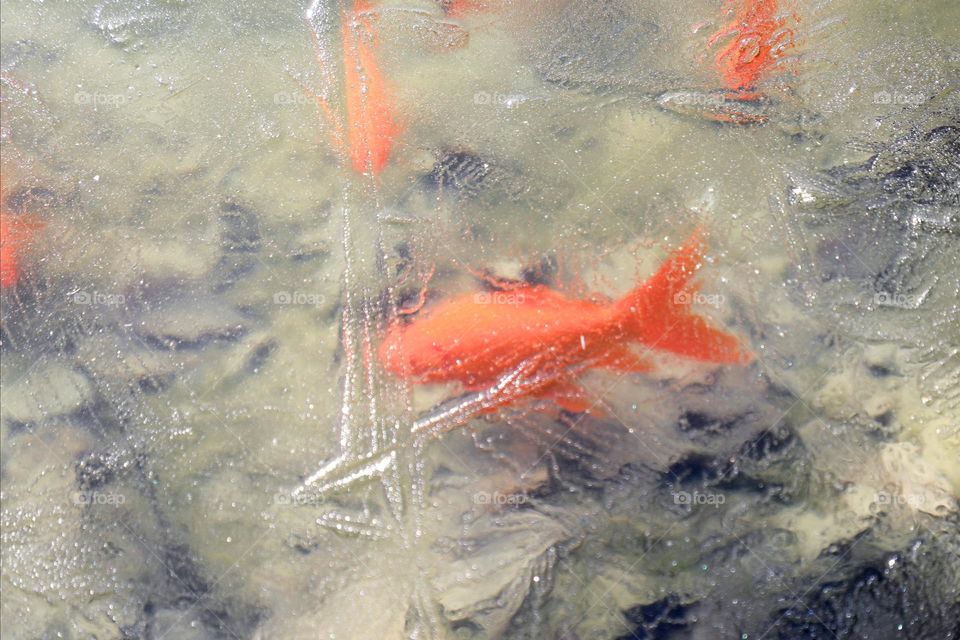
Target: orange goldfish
{"type": "Point", "coordinates": [760, 34]}
{"type": "Point", "coordinates": [481, 340]}
{"type": "Point", "coordinates": [461, 8]}
{"type": "Point", "coordinates": [15, 231]}
{"type": "Point", "coordinates": [371, 127]}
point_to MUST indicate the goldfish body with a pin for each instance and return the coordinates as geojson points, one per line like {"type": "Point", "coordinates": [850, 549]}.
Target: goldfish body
{"type": "Point", "coordinates": [462, 8]}
{"type": "Point", "coordinates": [370, 124]}
{"type": "Point", "coordinates": [759, 37]}
{"type": "Point", "coordinates": [478, 340]}
{"type": "Point", "coordinates": [14, 232]}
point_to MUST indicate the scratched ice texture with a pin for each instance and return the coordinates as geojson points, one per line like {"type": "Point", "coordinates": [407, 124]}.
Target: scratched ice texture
{"type": "Point", "coordinates": [198, 440]}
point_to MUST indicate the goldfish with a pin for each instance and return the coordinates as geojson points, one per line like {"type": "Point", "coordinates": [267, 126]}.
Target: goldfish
{"type": "Point", "coordinates": [535, 339]}
{"type": "Point", "coordinates": [462, 8]}
{"type": "Point", "coordinates": [371, 127]}
{"type": "Point", "coordinates": [758, 37]}
{"type": "Point", "coordinates": [15, 232]}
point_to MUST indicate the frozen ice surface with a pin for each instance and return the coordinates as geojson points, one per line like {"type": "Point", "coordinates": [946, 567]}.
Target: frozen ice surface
{"type": "Point", "coordinates": [198, 437]}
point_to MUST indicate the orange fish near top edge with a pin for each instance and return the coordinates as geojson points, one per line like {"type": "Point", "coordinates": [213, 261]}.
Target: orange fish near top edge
{"type": "Point", "coordinates": [759, 35]}
{"type": "Point", "coordinates": [463, 8]}
{"type": "Point", "coordinates": [371, 127]}
{"type": "Point", "coordinates": [477, 340]}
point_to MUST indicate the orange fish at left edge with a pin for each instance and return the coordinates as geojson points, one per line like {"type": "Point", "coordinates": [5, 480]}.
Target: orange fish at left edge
{"type": "Point", "coordinates": [15, 232]}
{"type": "Point", "coordinates": [371, 127]}
{"type": "Point", "coordinates": [532, 341]}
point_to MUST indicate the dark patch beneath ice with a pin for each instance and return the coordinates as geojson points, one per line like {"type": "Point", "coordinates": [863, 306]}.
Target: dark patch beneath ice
{"type": "Point", "coordinates": [94, 471]}
{"type": "Point", "coordinates": [543, 272]}
{"type": "Point", "coordinates": [729, 433]}
{"type": "Point", "coordinates": [240, 239]}
{"type": "Point", "coordinates": [458, 171]}
{"type": "Point", "coordinates": [660, 620]}
{"type": "Point", "coordinates": [194, 604]}
{"type": "Point", "coordinates": [932, 178]}
{"type": "Point", "coordinates": [842, 548]}
{"type": "Point", "coordinates": [239, 228]}
{"type": "Point", "coordinates": [880, 371]}
{"type": "Point", "coordinates": [24, 200]}
{"type": "Point", "coordinates": [771, 444]}
{"type": "Point", "coordinates": [889, 217]}
{"type": "Point", "coordinates": [187, 326]}
{"type": "Point", "coordinates": [702, 472]}
{"type": "Point", "coordinates": [695, 469]}
{"type": "Point", "coordinates": [171, 342]}
{"type": "Point", "coordinates": [101, 467]}
{"type": "Point", "coordinates": [703, 422]}
{"type": "Point", "coordinates": [185, 571]}
{"type": "Point", "coordinates": [466, 176]}
{"type": "Point", "coordinates": [151, 384]}
{"type": "Point", "coordinates": [913, 594]}
{"type": "Point", "coordinates": [259, 357]}
{"type": "Point", "coordinates": [181, 600]}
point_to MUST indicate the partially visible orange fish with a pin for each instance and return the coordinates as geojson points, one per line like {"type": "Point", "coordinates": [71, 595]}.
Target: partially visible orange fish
{"type": "Point", "coordinates": [15, 233]}
{"type": "Point", "coordinates": [461, 8]}
{"type": "Point", "coordinates": [371, 127]}
{"type": "Point", "coordinates": [719, 106]}
{"type": "Point", "coordinates": [478, 340]}
{"type": "Point", "coordinates": [759, 34]}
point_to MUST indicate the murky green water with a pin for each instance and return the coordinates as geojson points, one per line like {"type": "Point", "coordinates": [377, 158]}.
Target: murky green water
{"type": "Point", "coordinates": [196, 442]}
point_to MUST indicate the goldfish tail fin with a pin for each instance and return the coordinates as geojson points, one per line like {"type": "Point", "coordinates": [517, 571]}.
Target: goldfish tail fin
{"type": "Point", "coordinates": [659, 312]}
